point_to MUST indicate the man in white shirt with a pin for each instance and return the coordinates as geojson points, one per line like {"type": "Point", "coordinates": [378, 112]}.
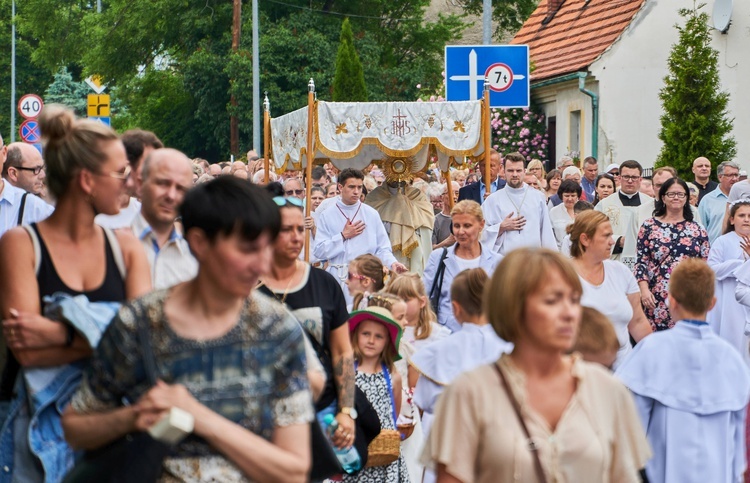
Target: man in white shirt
{"type": "Point", "coordinates": [24, 168]}
{"type": "Point", "coordinates": [17, 206]}
{"type": "Point", "coordinates": [517, 215]}
{"type": "Point", "coordinates": [627, 209]}
{"type": "Point", "coordinates": [350, 228]}
{"type": "Point", "coordinates": [714, 204]}
{"type": "Point", "coordinates": [166, 176]}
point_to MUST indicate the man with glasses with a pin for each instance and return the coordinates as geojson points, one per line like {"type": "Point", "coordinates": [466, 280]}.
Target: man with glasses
{"type": "Point", "coordinates": [24, 168]}
{"type": "Point", "coordinates": [18, 206]}
{"type": "Point", "coordinates": [293, 188]}
{"type": "Point", "coordinates": [627, 210]}
{"type": "Point", "coordinates": [714, 204]}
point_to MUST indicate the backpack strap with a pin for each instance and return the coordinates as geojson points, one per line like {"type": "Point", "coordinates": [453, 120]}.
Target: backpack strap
{"type": "Point", "coordinates": [21, 209]}
{"type": "Point", "coordinates": [37, 247]}
{"type": "Point", "coordinates": [116, 252]}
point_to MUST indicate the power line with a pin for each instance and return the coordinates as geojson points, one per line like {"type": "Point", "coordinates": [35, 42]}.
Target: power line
{"type": "Point", "coordinates": [313, 10]}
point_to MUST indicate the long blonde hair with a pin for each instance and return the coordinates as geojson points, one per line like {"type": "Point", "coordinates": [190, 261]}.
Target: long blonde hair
{"type": "Point", "coordinates": [408, 286]}
{"type": "Point", "coordinates": [387, 357]}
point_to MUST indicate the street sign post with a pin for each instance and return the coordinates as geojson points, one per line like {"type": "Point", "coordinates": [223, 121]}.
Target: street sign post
{"type": "Point", "coordinates": [30, 106]}
{"type": "Point", "coordinates": [506, 68]}
{"type": "Point", "coordinates": [102, 119]}
{"type": "Point", "coordinates": [30, 132]}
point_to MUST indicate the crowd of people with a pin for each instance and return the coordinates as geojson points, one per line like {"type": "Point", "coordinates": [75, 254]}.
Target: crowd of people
{"type": "Point", "coordinates": [568, 325]}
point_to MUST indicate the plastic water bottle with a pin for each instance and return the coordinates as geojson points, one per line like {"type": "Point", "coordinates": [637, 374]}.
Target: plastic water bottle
{"type": "Point", "coordinates": [349, 458]}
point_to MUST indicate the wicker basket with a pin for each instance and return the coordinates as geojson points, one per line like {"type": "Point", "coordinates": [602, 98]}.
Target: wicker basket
{"type": "Point", "coordinates": [406, 430]}
{"type": "Point", "coordinates": [384, 449]}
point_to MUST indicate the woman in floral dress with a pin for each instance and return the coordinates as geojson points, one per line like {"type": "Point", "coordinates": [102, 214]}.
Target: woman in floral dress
{"type": "Point", "coordinates": [663, 241]}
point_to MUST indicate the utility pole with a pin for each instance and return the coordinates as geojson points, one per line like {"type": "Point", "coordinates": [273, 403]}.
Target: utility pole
{"type": "Point", "coordinates": [234, 128]}
{"type": "Point", "coordinates": [13, 72]}
{"type": "Point", "coordinates": [256, 82]}
{"type": "Point", "coordinates": [487, 22]}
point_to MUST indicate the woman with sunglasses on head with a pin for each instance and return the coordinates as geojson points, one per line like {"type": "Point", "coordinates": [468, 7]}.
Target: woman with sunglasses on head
{"type": "Point", "coordinates": [315, 298]}
{"type": "Point", "coordinates": [87, 171]}
{"type": "Point", "coordinates": [663, 241]}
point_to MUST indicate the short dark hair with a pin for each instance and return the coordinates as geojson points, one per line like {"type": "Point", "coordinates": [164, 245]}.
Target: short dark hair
{"type": "Point", "coordinates": [632, 164]}
{"type": "Point", "coordinates": [514, 158]}
{"type": "Point", "coordinates": [569, 186]}
{"type": "Point", "coordinates": [227, 205]}
{"type": "Point", "coordinates": [318, 172]}
{"type": "Point", "coordinates": [13, 159]}
{"type": "Point", "coordinates": [589, 160]}
{"type": "Point", "coordinates": [660, 208]}
{"type": "Point", "coordinates": [135, 141]}
{"type": "Point", "coordinates": [349, 173]}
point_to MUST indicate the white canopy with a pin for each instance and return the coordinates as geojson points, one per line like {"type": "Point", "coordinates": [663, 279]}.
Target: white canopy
{"type": "Point", "coordinates": [354, 134]}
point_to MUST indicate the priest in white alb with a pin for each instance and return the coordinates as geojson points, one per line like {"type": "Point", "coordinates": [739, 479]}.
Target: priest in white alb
{"type": "Point", "coordinates": [517, 215]}
{"type": "Point", "coordinates": [408, 218]}
{"type": "Point", "coordinates": [349, 229]}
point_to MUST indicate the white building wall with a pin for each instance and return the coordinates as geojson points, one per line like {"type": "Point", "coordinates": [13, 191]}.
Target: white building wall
{"type": "Point", "coordinates": [630, 75]}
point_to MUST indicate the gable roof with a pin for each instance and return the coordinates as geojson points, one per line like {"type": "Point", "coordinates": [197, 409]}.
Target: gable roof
{"type": "Point", "coordinates": [578, 33]}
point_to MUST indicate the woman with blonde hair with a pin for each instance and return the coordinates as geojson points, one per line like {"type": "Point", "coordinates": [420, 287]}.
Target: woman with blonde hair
{"type": "Point", "coordinates": [87, 172]}
{"type": "Point", "coordinates": [608, 285]}
{"type": "Point", "coordinates": [536, 168]}
{"type": "Point", "coordinates": [581, 420]}
{"type": "Point", "coordinates": [443, 265]}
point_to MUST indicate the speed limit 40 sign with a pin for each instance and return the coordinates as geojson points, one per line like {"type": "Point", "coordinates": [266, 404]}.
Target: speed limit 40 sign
{"type": "Point", "coordinates": [30, 106]}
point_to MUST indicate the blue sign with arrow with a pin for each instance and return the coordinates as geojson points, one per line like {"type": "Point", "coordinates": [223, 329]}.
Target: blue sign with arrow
{"type": "Point", "coordinates": [506, 68]}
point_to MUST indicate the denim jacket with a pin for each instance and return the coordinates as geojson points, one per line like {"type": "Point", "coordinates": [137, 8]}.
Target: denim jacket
{"type": "Point", "coordinates": [47, 391]}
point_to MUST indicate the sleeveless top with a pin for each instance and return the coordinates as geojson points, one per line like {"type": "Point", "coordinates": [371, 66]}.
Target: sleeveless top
{"type": "Point", "coordinates": [111, 290]}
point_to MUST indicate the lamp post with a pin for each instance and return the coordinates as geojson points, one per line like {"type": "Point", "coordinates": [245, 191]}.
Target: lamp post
{"type": "Point", "coordinates": [13, 72]}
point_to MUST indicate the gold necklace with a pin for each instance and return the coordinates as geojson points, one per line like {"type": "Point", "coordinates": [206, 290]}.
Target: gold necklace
{"type": "Point", "coordinates": [286, 290]}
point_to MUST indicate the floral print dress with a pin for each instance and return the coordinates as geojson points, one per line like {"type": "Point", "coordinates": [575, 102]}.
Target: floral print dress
{"type": "Point", "coordinates": [661, 246]}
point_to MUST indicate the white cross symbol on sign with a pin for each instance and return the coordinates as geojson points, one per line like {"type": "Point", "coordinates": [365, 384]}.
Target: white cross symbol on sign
{"type": "Point", "coordinates": [475, 76]}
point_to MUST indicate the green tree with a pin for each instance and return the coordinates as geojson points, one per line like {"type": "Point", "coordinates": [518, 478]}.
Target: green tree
{"type": "Point", "coordinates": [508, 16]}
{"type": "Point", "coordinates": [695, 121]}
{"type": "Point", "coordinates": [349, 82]}
{"type": "Point", "coordinates": [64, 90]}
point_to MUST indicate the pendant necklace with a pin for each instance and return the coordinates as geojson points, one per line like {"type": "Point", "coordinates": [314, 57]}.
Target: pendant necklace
{"type": "Point", "coordinates": [523, 200]}
{"type": "Point", "coordinates": [348, 220]}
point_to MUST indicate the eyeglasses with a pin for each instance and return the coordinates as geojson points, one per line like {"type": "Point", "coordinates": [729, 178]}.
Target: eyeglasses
{"type": "Point", "coordinates": [294, 192]}
{"type": "Point", "coordinates": [614, 173]}
{"type": "Point", "coordinates": [36, 169]}
{"type": "Point", "coordinates": [282, 202]}
{"type": "Point", "coordinates": [124, 175]}
{"type": "Point", "coordinates": [630, 178]}
{"type": "Point", "coordinates": [351, 276]}
{"type": "Point", "coordinates": [675, 194]}
{"type": "Point", "coordinates": [727, 175]}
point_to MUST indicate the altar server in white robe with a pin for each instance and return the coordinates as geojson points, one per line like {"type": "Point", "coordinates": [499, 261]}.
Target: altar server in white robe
{"type": "Point", "coordinates": [349, 229]}
{"type": "Point", "coordinates": [517, 215]}
{"type": "Point", "coordinates": [627, 209]}
{"type": "Point", "coordinates": [726, 257]}
{"type": "Point", "coordinates": [693, 407]}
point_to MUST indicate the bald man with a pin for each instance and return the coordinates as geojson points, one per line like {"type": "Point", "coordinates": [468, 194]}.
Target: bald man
{"type": "Point", "coordinates": [24, 168]}
{"type": "Point", "coordinates": [702, 172]}
{"type": "Point", "coordinates": [165, 178]}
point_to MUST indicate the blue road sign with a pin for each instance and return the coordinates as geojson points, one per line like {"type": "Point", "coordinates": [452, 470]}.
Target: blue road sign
{"type": "Point", "coordinates": [506, 67]}
{"type": "Point", "coordinates": [103, 120]}
{"type": "Point", "coordinates": [29, 131]}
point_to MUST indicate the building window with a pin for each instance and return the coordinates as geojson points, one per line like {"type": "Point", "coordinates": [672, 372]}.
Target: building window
{"type": "Point", "coordinates": [574, 141]}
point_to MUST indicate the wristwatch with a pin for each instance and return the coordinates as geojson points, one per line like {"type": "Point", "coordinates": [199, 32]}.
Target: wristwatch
{"type": "Point", "coordinates": [351, 412]}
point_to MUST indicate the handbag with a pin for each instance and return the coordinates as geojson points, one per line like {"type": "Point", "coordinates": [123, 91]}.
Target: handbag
{"type": "Point", "coordinates": [386, 447]}
{"type": "Point", "coordinates": [437, 283]}
{"type": "Point", "coordinates": [135, 457]}
{"type": "Point", "coordinates": [532, 446]}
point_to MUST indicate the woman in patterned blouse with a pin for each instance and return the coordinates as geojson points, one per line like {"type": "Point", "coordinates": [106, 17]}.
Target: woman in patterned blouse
{"type": "Point", "coordinates": [663, 241]}
{"type": "Point", "coordinates": [231, 357]}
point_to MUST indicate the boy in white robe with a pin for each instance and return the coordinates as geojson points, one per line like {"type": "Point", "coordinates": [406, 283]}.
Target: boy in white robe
{"type": "Point", "coordinates": [349, 229]}
{"type": "Point", "coordinates": [517, 215]}
{"type": "Point", "coordinates": [691, 389]}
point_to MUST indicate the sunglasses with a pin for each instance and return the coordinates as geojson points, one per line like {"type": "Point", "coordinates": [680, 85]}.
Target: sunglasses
{"type": "Point", "coordinates": [282, 202]}
{"type": "Point", "coordinates": [614, 173]}
{"type": "Point", "coordinates": [294, 192]}
{"type": "Point", "coordinates": [356, 277]}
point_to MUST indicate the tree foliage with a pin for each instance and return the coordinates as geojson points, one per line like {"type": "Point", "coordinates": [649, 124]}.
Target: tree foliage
{"type": "Point", "coordinates": [507, 16]}
{"type": "Point", "coordinates": [349, 82]}
{"type": "Point", "coordinates": [170, 66]}
{"type": "Point", "coordinates": [64, 90]}
{"type": "Point", "coordinates": [695, 120]}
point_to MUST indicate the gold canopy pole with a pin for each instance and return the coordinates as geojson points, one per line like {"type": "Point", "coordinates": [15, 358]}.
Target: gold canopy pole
{"type": "Point", "coordinates": [487, 138]}
{"type": "Point", "coordinates": [449, 185]}
{"type": "Point", "coordinates": [266, 138]}
{"type": "Point", "coordinates": [310, 158]}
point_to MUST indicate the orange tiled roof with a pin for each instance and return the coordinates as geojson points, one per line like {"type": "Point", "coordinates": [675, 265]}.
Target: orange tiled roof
{"type": "Point", "coordinates": [578, 34]}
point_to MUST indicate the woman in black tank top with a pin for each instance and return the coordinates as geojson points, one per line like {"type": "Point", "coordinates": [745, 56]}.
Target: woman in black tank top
{"type": "Point", "coordinates": [87, 170]}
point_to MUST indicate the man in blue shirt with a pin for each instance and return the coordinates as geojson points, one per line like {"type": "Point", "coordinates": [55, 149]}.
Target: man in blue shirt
{"type": "Point", "coordinates": [714, 204]}
{"type": "Point", "coordinates": [477, 191]}
{"type": "Point", "coordinates": [590, 172]}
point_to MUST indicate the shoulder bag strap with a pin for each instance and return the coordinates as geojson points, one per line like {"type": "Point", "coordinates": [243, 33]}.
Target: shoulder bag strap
{"type": "Point", "coordinates": [437, 283]}
{"type": "Point", "coordinates": [114, 244]}
{"type": "Point", "coordinates": [37, 246]}
{"type": "Point", "coordinates": [387, 376]}
{"type": "Point", "coordinates": [21, 209]}
{"type": "Point", "coordinates": [532, 446]}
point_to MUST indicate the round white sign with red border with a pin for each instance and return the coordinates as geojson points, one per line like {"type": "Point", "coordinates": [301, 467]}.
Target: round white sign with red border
{"type": "Point", "coordinates": [30, 106]}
